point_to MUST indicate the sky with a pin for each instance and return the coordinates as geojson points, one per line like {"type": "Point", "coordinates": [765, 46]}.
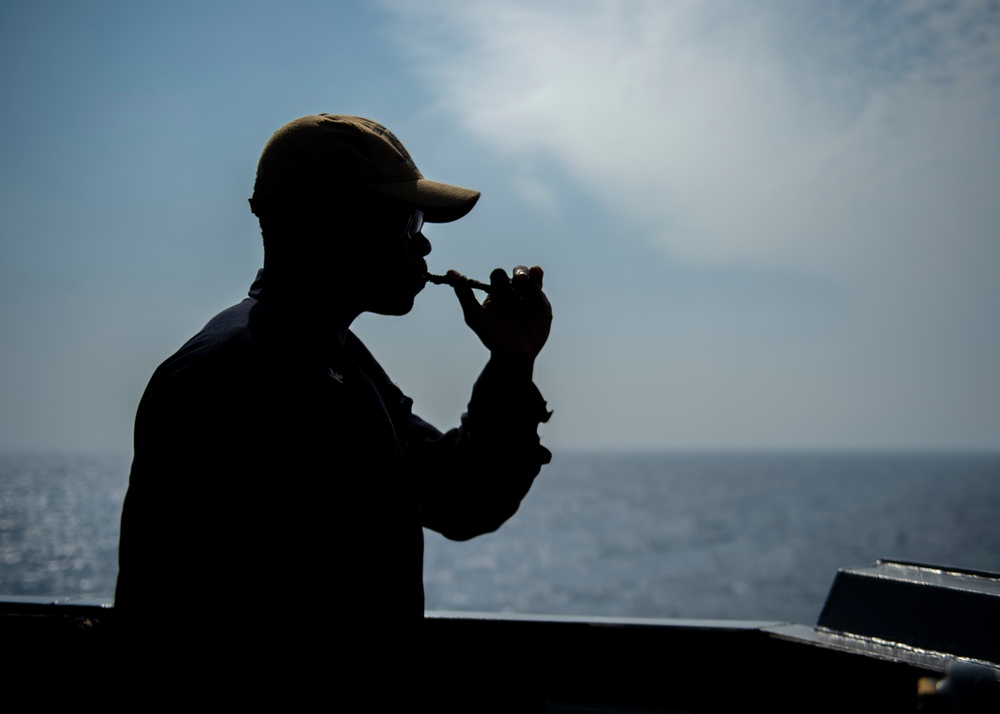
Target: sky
{"type": "Point", "coordinates": [770, 225]}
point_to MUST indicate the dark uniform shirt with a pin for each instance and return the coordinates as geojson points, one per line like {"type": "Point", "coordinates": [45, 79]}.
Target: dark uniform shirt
{"type": "Point", "coordinates": [280, 483]}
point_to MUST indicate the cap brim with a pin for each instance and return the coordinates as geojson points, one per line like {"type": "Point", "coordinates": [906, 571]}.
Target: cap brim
{"type": "Point", "coordinates": [440, 202]}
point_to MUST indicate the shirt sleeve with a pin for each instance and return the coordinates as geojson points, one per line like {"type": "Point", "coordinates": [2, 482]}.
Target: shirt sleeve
{"type": "Point", "coordinates": [473, 478]}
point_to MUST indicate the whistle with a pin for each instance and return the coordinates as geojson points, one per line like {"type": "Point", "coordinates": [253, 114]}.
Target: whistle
{"type": "Point", "coordinates": [458, 281]}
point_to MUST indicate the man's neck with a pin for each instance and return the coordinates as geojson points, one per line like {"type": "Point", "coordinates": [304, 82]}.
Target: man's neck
{"type": "Point", "coordinates": [303, 299]}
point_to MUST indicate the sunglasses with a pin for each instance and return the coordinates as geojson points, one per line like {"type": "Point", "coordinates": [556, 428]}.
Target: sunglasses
{"type": "Point", "coordinates": [415, 224]}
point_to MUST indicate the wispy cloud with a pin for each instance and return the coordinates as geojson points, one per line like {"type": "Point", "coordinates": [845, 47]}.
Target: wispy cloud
{"type": "Point", "coordinates": [773, 133]}
{"type": "Point", "coordinates": [848, 144]}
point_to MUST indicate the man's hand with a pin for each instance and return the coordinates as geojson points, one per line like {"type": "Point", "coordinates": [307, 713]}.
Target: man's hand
{"type": "Point", "coordinates": [514, 321]}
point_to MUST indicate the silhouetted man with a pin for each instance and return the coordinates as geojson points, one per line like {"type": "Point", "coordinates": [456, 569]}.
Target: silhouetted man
{"type": "Point", "coordinates": [280, 481]}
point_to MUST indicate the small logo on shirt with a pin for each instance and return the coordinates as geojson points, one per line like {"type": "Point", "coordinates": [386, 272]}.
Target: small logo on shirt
{"type": "Point", "coordinates": [336, 375]}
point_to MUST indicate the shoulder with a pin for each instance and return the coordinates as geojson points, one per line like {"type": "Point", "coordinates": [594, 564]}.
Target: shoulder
{"type": "Point", "coordinates": [225, 344]}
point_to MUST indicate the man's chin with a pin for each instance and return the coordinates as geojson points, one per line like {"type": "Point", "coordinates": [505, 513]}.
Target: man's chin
{"type": "Point", "coordinates": [397, 309]}
{"type": "Point", "coordinates": [397, 302]}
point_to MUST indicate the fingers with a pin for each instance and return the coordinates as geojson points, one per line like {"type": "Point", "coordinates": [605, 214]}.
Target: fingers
{"type": "Point", "coordinates": [467, 299]}
{"type": "Point", "coordinates": [527, 282]}
{"type": "Point", "coordinates": [524, 283]}
{"type": "Point", "coordinates": [515, 318]}
{"type": "Point", "coordinates": [520, 277]}
{"type": "Point", "coordinates": [499, 283]}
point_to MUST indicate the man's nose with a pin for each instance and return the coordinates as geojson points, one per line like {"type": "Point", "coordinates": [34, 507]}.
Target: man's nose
{"type": "Point", "coordinates": [421, 246]}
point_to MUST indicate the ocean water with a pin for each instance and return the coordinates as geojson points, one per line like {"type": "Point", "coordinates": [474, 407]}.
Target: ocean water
{"type": "Point", "coordinates": [698, 535]}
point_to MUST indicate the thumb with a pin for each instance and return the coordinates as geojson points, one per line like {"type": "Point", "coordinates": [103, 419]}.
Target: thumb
{"type": "Point", "coordinates": [470, 305]}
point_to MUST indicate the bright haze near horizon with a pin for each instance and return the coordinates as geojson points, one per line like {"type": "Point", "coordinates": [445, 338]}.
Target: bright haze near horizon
{"type": "Point", "coordinates": [763, 225]}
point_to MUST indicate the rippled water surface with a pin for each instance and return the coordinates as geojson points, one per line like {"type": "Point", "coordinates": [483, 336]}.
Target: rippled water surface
{"type": "Point", "coordinates": [752, 536]}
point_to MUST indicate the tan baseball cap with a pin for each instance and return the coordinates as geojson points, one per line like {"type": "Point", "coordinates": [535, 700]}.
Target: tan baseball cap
{"type": "Point", "coordinates": [318, 151]}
